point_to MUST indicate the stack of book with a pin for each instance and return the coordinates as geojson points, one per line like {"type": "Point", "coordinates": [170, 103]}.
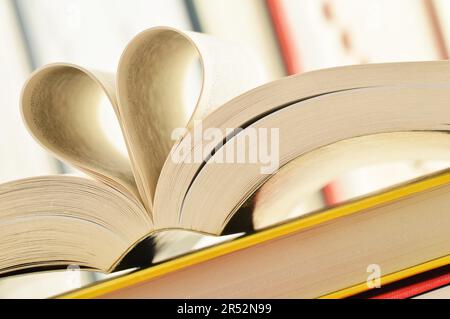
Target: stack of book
{"type": "Point", "coordinates": [245, 152]}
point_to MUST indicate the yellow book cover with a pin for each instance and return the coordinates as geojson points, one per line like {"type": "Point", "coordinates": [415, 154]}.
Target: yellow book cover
{"type": "Point", "coordinates": [409, 190]}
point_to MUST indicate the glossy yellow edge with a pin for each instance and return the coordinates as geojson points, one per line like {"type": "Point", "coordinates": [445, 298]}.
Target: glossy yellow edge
{"type": "Point", "coordinates": [112, 285]}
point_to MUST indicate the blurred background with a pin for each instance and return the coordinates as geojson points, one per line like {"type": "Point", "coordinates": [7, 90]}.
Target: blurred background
{"type": "Point", "coordinates": [290, 36]}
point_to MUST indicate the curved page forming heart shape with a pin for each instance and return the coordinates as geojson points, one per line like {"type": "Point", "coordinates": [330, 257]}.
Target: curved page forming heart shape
{"type": "Point", "coordinates": [60, 103]}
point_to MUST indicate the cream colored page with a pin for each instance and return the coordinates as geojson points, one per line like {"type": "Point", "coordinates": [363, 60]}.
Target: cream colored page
{"type": "Point", "coordinates": [280, 198]}
{"type": "Point", "coordinates": [52, 220]}
{"type": "Point", "coordinates": [371, 111]}
{"type": "Point", "coordinates": [60, 106]}
{"type": "Point", "coordinates": [61, 103]}
{"type": "Point", "coordinates": [259, 102]}
{"type": "Point", "coordinates": [151, 80]}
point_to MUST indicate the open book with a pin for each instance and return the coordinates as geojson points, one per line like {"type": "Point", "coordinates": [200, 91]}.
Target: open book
{"type": "Point", "coordinates": [193, 170]}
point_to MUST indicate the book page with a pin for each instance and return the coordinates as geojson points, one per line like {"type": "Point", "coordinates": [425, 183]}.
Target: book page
{"type": "Point", "coordinates": [61, 104]}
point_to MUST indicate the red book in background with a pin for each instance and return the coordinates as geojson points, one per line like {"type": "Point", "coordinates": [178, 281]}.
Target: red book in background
{"type": "Point", "coordinates": [291, 57]}
{"type": "Point", "coordinates": [328, 33]}
{"type": "Point", "coordinates": [285, 38]}
{"type": "Point", "coordinates": [412, 286]}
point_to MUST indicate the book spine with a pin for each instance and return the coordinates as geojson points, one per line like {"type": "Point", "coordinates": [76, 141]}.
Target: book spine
{"type": "Point", "coordinates": [417, 288]}
{"type": "Point", "coordinates": [193, 15]}
{"type": "Point", "coordinates": [410, 286]}
{"type": "Point", "coordinates": [436, 17]}
{"type": "Point", "coordinates": [289, 52]}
